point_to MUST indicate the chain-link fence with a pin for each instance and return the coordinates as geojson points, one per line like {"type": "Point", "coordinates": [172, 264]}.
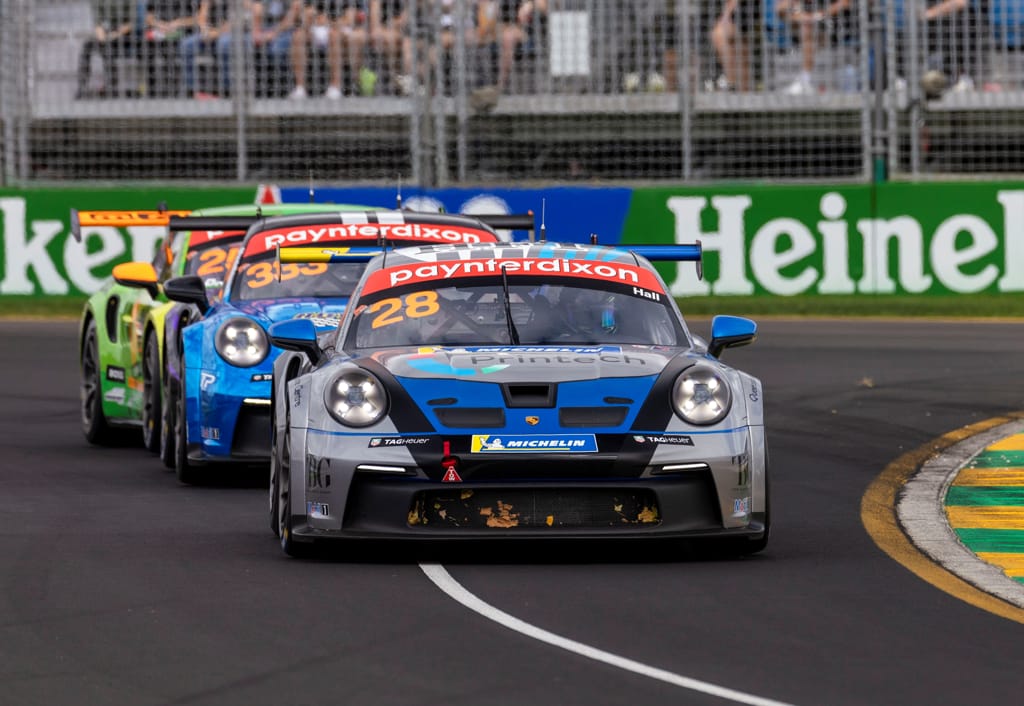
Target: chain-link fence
{"type": "Point", "coordinates": [483, 91]}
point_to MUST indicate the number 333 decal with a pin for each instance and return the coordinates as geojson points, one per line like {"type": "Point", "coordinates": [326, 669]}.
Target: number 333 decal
{"type": "Point", "coordinates": [260, 274]}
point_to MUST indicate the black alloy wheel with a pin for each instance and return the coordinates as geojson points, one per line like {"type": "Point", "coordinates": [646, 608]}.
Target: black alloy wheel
{"type": "Point", "coordinates": [185, 471]}
{"type": "Point", "coordinates": [94, 423]}
{"type": "Point", "coordinates": [275, 472]}
{"type": "Point", "coordinates": [284, 508]}
{"type": "Point", "coordinates": [151, 403]}
{"type": "Point", "coordinates": [168, 440]}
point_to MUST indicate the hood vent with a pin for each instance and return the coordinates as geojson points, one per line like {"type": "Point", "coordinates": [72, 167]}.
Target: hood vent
{"type": "Point", "coordinates": [528, 394]}
{"type": "Point", "coordinates": [471, 417]}
{"type": "Point", "coordinates": [592, 416]}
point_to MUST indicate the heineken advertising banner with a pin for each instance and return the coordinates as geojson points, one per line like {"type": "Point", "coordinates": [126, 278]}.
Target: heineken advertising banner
{"type": "Point", "coordinates": [894, 238]}
{"type": "Point", "coordinates": [39, 256]}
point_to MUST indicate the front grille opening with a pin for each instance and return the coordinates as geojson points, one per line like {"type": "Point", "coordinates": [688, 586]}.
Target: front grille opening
{"type": "Point", "coordinates": [528, 395]}
{"type": "Point", "coordinates": [111, 318]}
{"type": "Point", "coordinates": [535, 508]}
{"type": "Point", "coordinates": [471, 417]}
{"type": "Point", "coordinates": [252, 431]}
{"type": "Point", "coordinates": [592, 416]}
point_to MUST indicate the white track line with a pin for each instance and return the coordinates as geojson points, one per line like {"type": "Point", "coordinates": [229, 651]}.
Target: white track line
{"type": "Point", "coordinates": [443, 580]}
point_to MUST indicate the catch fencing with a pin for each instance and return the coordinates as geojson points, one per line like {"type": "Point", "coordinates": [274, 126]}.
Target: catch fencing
{"type": "Point", "coordinates": [607, 91]}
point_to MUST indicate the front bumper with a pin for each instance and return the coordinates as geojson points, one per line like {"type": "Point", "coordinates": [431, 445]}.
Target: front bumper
{"type": "Point", "coordinates": [231, 428]}
{"type": "Point", "coordinates": [564, 496]}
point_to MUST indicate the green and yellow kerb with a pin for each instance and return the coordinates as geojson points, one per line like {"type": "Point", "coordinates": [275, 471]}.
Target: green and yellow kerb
{"type": "Point", "coordinates": [985, 505]}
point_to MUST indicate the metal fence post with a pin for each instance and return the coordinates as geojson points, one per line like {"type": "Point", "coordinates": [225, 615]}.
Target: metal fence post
{"type": "Point", "coordinates": [415, 103]}
{"type": "Point", "coordinates": [879, 169]}
{"type": "Point", "coordinates": [894, 107]}
{"type": "Point", "coordinates": [461, 90]}
{"type": "Point", "coordinates": [684, 59]}
{"type": "Point", "coordinates": [912, 66]}
{"type": "Point", "coordinates": [240, 41]}
{"type": "Point", "coordinates": [436, 95]}
{"type": "Point", "coordinates": [7, 79]}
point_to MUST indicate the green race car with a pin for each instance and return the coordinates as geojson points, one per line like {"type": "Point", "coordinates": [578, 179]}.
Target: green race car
{"type": "Point", "coordinates": [122, 325]}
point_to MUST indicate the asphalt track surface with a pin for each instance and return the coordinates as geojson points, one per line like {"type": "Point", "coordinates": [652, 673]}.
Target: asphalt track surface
{"type": "Point", "coordinates": [121, 586]}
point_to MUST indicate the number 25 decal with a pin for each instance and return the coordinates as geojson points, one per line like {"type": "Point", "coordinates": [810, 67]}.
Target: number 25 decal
{"type": "Point", "coordinates": [261, 274]}
{"type": "Point", "coordinates": [417, 305]}
{"type": "Point", "coordinates": [216, 261]}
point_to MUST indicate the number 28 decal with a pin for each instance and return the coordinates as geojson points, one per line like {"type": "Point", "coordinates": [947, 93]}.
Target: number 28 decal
{"type": "Point", "coordinates": [261, 274]}
{"type": "Point", "coordinates": [395, 309]}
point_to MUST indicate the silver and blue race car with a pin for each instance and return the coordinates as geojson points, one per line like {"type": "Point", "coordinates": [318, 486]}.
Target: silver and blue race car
{"type": "Point", "coordinates": [516, 390]}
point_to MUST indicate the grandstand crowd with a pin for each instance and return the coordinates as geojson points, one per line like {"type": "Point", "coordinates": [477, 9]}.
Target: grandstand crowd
{"type": "Point", "coordinates": [301, 49]}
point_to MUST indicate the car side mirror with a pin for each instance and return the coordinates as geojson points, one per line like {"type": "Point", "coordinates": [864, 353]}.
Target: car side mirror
{"type": "Point", "coordinates": [297, 335]}
{"type": "Point", "coordinates": [188, 289]}
{"type": "Point", "coordinates": [141, 275]}
{"type": "Point", "coordinates": [730, 332]}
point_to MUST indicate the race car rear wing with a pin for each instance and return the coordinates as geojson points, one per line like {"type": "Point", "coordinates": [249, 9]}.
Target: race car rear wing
{"type": "Point", "coordinates": [183, 220]}
{"type": "Point", "coordinates": [682, 252]}
{"type": "Point", "coordinates": [119, 219]}
{"type": "Point", "coordinates": [174, 220]}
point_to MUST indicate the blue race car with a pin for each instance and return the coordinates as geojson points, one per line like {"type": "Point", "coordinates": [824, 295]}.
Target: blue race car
{"type": "Point", "coordinates": [224, 411]}
{"type": "Point", "coordinates": [204, 243]}
{"type": "Point", "coordinates": [523, 390]}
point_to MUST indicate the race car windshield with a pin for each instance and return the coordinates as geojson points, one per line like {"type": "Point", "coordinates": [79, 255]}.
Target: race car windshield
{"type": "Point", "coordinates": [212, 260]}
{"type": "Point", "coordinates": [541, 314]}
{"type": "Point", "coordinates": [262, 277]}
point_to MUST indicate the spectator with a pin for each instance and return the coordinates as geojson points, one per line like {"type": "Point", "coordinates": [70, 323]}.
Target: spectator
{"type": "Point", "coordinates": [116, 34]}
{"type": "Point", "coordinates": [273, 24]}
{"type": "Point", "coordinates": [652, 49]}
{"type": "Point", "coordinates": [388, 23]}
{"type": "Point", "coordinates": [440, 24]}
{"type": "Point", "coordinates": [166, 23]}
{"type": "Point", "coordinates": [731, 37]}
{"type": "Point", "coordinates": [338, 29]}
{"type": "Point", "coordinates": [518, 27]}
{"type": "Point", "coordinates": [212, 21]}
{"type": "Point", "coordinates": [812, 24]}
{"type": "Point", "coordinates": [955, 31]}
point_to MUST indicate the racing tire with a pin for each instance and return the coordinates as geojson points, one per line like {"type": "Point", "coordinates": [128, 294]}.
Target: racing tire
{"type": "Point", "coordinates": [753, 546]}
{"type": "Point", "coordinates": [94, 422]}
{"type": "Point", "coordinates": [186, 472]}
{"type": "Point", "coordinates": [746, 547]}
{"type": "Point", "coordinates": [152, 409]}
{"type": "Point", "coordinates": [275, 471]}
{"type": "Point", "coordinates": [168, 441]}
{"type": "Point", "coordinates": [282, 452]}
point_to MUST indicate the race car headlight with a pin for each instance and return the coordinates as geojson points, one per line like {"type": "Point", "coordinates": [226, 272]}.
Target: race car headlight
{"type": "Point", "coordinates": [700, 396]}
{"type": "Point", "coordinates": [356, 399]}
{"type": "Point", "coordinates": [242, 342]}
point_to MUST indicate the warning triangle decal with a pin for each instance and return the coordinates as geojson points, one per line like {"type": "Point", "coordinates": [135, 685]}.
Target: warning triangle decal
{"type": "Point", "coordinates": [451, 476]}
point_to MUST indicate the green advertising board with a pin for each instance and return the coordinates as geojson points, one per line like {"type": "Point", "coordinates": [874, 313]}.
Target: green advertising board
{"type": "Point", "coordinates": [893, 238]}
{"type": "Point", "coordinates": [39, 256]}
